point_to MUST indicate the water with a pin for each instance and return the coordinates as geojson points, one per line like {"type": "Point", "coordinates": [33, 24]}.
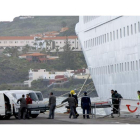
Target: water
{"type": "Point", "coordinates": [62, 109]}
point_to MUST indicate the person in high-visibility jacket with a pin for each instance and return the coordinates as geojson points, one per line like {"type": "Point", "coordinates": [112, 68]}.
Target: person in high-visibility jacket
{"type": "Point", "coordinates": [138, 92]}
{"type": "Point", "coordinates": [72, 92]}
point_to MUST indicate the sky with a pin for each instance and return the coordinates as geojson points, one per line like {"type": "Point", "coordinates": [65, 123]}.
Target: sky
{"type": "Point", "coordinates": [13, 8]}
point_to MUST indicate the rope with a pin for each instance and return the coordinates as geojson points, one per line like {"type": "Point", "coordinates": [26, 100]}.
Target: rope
{"type": "Point", "coordinates": [69, 92]}
{"type": "Point", "coordinates": [83, 85]}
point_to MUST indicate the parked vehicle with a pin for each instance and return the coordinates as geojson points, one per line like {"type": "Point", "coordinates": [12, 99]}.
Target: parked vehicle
{"type": "Point", "coordinates": [9, 106]}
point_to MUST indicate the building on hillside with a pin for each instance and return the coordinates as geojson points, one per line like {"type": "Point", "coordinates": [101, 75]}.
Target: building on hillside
{"type": "Point", "coordinates": [26, 17]}
{"type": "Point", "coordinates": [36, 57]}
{"type": "Point", "coordinates": [53, 44]}
{"type": "Point", "coordinates": [48, 57]}
{"type": "Point", "coordinates": [16, 41]}
{"type": "Point", "coordinates": [51, 76]}
{"type": "Point", "coordinates": [59, 42]}
{"type": "Point", "coordinates": [64, 29]}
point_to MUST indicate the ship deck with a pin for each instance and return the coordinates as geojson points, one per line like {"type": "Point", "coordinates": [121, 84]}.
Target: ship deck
{"type": "Point", "coordinates": [64, 119]}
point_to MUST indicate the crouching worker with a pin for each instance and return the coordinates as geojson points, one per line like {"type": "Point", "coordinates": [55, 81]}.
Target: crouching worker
{"type": "Point", "coordinates": [52, 105]}
{"type": "Point", "coordinates": [28, 101]}
{"type": "Point", "coordinates": [85, 104]}
{"type": "Point", "coordinates": [72, 103]}
{"type": "Point", "coordinates": [23, 107]}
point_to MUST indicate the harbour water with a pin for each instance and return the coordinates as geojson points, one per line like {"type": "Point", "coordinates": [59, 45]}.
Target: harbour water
{"type": "Point", "coordinates": [62, 109]}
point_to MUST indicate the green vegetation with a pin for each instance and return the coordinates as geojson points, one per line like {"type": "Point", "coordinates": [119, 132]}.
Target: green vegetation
{"type": "Point", "coordinates": [39, 24]}
{"type": "Point", "coordinates": [13, 69]}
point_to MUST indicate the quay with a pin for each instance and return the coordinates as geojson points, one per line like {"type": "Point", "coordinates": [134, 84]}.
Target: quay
{"type": "Point", "coordinates": [64, 119]}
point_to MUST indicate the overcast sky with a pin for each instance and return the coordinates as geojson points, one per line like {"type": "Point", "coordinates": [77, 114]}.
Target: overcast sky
{"type": "Point", "coordinates": [13, 8]}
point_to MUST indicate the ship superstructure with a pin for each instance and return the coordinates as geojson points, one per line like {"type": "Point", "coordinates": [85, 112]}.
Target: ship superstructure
{"type": "Point", "coordinates": [111, 46]}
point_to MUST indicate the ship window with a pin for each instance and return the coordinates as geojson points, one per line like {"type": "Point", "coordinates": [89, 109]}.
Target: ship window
{"type": "Point", "coordinates": [131, 30]}
{"type": "Point", "coordinates": [135, 29]}
{"type": "Point", "coordinates": [131, 66]}
{"type": "Point", "coordinates": [112, 68]}
{"type": "Point", "coordinates": [124, 31]}
{"type": "Point", "coordinates": [114, 35]}
{"type": "Point", "coordinates": [97, 40]}
{"type": "Point", "coordinates": [120, 33]}
{"type": "Point", "coordinates": [93, 41]}
{"type": "Point", "coordinates": [128, 30]}
{"type": "Point", "coordinates": [136, 65]}
{"type": "Point", "coordinates": [110, 36]}
{"type": "Point", "coordinates": [117, 34]}
{"type": "Point", "coordinates": [128, 66]}
{"type": "Point", "coordinates": [105, 38]}
{"type": "Point", "coordinates": [88, 43]}
{"type": "Point", "coordinates": [138, 26]}
{"type": "Point", "coordinates": [120, 67]}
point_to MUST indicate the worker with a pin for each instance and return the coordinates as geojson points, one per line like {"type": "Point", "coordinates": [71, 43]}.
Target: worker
{"type": "Point", "coordinates": [114, 102]}
{"type": "Point", "coordinates": [138, 112]}
{"type": "Point", "coordinates": [52, 105]}
{"type": "Point", "coordinates": [23, 107]}
{"type": "Point", "coordinates": [85, 104]}
{"type": "Point", "coordinates": [119, 97]}
{"type": "Point", "coordinates": [75, 96]}
{"type": "Point", "coordinates": [28, 101]}
{"type": "Point", "coordinates": [72, 104]}
{"type": "Point", "coordinates": [138, 92]}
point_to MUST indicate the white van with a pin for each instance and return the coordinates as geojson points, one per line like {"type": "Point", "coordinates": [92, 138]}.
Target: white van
{"type": "Point", "coordinates": [9, 106]}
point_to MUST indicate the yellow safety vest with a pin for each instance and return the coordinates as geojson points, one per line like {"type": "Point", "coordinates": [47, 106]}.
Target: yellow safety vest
{"type": "Point", "coordinates": [139, 97]}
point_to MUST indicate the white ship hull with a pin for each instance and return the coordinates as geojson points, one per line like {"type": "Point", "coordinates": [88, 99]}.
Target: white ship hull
{"type": "Point", "coordinates": [111, 46]}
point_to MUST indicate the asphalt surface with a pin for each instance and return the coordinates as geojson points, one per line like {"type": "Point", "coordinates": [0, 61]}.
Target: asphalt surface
{"type": "Point", "coordinates": [63, 119]}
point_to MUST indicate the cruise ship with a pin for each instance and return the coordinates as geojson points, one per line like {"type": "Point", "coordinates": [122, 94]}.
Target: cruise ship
{"type": "Point", "coordinates": [111, 46]}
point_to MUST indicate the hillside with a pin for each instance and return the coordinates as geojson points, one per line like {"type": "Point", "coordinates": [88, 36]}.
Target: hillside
{"type": "Point", "coordinates": [38, 24]}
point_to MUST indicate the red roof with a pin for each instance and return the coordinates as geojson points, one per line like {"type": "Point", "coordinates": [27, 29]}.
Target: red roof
{"type": "Point", "coordinates": [16, 38]}
{"type": "Point", "coordinates": [37, 54]}
{"type": "Point", "coordinates": [60, 38]}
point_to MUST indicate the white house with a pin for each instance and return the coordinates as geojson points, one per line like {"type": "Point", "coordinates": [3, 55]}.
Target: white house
{"type": "Point", "coordinates": [16, 41]}
{"type": "Point", "coordinates": [59, 41]}
{"type": "Point", "coordinates": [35, 74]}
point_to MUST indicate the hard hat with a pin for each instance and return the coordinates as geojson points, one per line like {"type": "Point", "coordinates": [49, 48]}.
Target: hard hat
{"type": "Point", "coordinates": [72, 91]}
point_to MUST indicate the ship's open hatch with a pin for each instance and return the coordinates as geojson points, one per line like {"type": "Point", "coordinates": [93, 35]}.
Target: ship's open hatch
{"type": "Point", "coordinates": [7, 105]}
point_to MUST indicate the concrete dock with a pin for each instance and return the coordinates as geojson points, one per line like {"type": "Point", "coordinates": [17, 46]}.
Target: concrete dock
{"type": "Point", "coordinates": [63, 119]}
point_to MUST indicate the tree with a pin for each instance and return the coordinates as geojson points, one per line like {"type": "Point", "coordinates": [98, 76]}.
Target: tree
{"type": "Point", "coordinates": [40, 44]}
{"type": "Point", "coordinates": [57, 50]}
{"type": "Point", "coordinates": [26, 49]}
{"type": "Point", "coordinates": [67, 58]}
{"type": "Point", "coordinates": [12, 51]}
{"type": "Point", "coordinates": [63, 24]}
{"type": "Point", "coordinates": [35, 44]}
{"type": "Point", "coordinates": [43, 51]}
{"type": "Point", "coordinates": [48, 43]}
